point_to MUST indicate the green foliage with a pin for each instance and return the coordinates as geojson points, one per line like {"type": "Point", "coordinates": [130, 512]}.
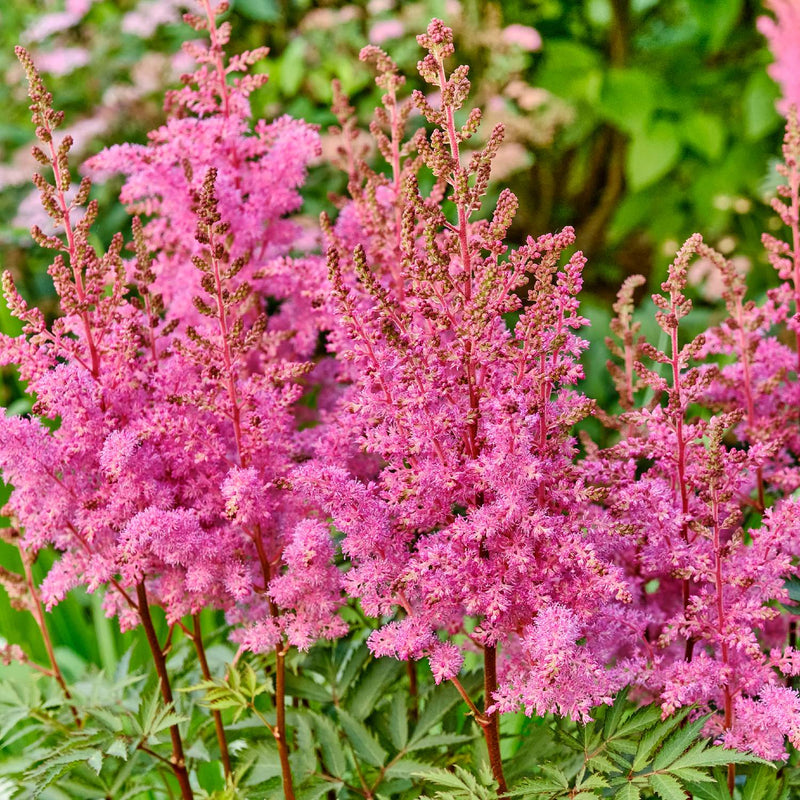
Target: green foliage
{"type": "Point", "coordinates": [630, 753]}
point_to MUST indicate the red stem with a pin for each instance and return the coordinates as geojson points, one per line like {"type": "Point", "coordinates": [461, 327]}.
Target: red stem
{"type": "Point", "coordinates": [178, 760]}
{"type": "Point", "coordinates": [491, 728]}
{"type": "Point", "coordinates": [38, 614]}
{"type": "Point", "coordinates": [728, 723]}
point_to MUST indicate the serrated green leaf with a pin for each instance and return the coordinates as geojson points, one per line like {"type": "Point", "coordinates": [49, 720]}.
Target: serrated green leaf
{"type": "Point", "coordinates": [333, 755]}
{"type": "Point", "coordinates": [374, 681]}
{"type": "Point", "coordinates": [651, 740]}
{"type": "Point", "coordinates": [592, 782]}
{"type": "Point", "coordinates": [437, 740]}
{"type": "Point", "coordinates": [398, 721]}
{"type": "Point", "coordinates": [305, 759]}
{"type": "Point", "coordinates": [95, 761]}
{"type": "Point", "coordinates": [405, 768]}
{"type": "Point", "coordinates": [675, 745]}
{"type": "Point", "coordinates": [762, 783]}
{"type": "Point", "coordinates": [600, 763]}
{"type": "Point", "coordinates": [667, 787]}
{"type": "Point", "coordinates": [628, 792]}
{"type": "Point", "coordinates": [639, 721]}
{"type": "Point", "coordinates": [440, 701]}
{"type": "Point", "coordinates": [615, 714]}
{"type": "Point", "coordinates": [118, 748]}
{"type": "Point", "coordinates": [702, 756]}
{"type": "Point", "coordinates": [306, 689]}
{"type": "Point", "coordinates": [314, 788]}
{"type": "Point", "coordinates": [365, 745]}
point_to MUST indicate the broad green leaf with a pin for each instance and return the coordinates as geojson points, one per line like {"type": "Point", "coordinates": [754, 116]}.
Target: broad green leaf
{"type": "Point", "coordinates": [704, 133]}
{"type": "Point", "coordinates": [651, 154]}
{"type": "Point", "coordinates": [570, 70]}
{"type": "Point", "coordinates": [365, 745]}
{"type": "Point", "coordinates": [758, 104]}
{"type": "Point", "coordinates": [292, 66]}
{"type": "Point", "coordinates": [628, 792]}
{"type": "Point", "coordinates": [628, 98]}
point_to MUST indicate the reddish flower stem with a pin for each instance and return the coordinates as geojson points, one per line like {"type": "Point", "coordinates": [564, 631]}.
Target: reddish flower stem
{"type": "Point", "coordinates": [38, 614]}
{"type": "Point", "coordinates": [178, 760]}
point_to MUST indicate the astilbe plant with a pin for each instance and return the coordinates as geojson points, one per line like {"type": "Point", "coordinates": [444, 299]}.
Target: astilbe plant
{"type": "Point", "coordinates": [476, 532]}
{"type": "Point", "coordinates": [700, 489]}
{"type": "Point", "coordinates": [166, 476]}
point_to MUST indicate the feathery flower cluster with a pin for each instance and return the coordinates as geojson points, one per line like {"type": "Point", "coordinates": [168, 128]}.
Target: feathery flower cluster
{"type": "Point", "coordinates": [700, 489]}
{"type": "Point", "coordinates": [781, 32]}
{"type": "Point", "coordinates": [177, 435]}
{"type": "Point", "coordinates": [477, 527]}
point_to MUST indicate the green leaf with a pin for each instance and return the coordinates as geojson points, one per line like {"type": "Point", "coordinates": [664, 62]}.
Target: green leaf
{"type": "Point", "coordinates": [440, 700]}
{"type": "Point", "coordinates": [651, 740]}
{"type": "Point", "coordinates": [437, 740]}
{"type": "Point", "coordinates": [716, 18]}
{"type": "Point", "coordinates": [365, 745]}
{"type": "Point", "coordinates": [702, 756]}
{"type": "Point", "coordinates": [398, 721]}
{"type": "Point", "coordinates": [315, 788]}
{"type": "Point", "coordinates": [305, 758]}
{"type": "Point", "coordinates": [570, 70]}
{"type": "Point", "coordinates": [652, 153]}
{"type": "Point", "coordinates": [333, 755]}
{"type": "Point", "coordinates": [118, 748]}
{"type": "Point", "coordinates": [259, 10]}
{"type": "Point", "coordinates": [373, 684]}
{"type": "Point", "coordinates": [758, 104]}
{"type": "Point", "coordinates": [628, 98]}
{"type": "Point", "coordinates": [95, 761]}
{"type": "Point", "coordinates": [762, 783]}
{"type": "Point", "coordinates": [705, 134]}
{"type": "Point", "coordinates": [405, 768]}
{"type": "Point", "coordinates": [677, 743]}
{"type": "Point", "coordinates": [628, 792]}
{"type": "Point", "coordinates": [292, 67]}
{"type": "Point", "coordinates": [306, 689]}
{"type": "Point", "coordinates": [667, 787]}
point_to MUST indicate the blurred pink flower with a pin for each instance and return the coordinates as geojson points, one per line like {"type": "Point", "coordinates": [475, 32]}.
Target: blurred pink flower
{"type": "Point", "coordinates": [523, 36]}
{"type": "Point", "coordinates": [385, 30]}
{"type": "Point", "coordinates": [782, 34]}
{"type": "Point", "coordinates": [62, 60]}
